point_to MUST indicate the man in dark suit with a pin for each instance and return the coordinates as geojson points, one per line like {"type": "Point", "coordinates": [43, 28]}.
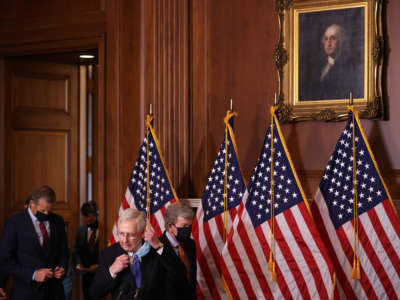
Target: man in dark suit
{"type": "Point", "coordinates": [178, 251]}
{"type": "Point", "coordinates": [129, 269]}
{"type": "Point", "coordinates": [86, 250]}
{"type": "Point", "coordinates": [33, 249]}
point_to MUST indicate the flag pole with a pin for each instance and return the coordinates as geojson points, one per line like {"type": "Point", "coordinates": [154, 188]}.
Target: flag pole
{"type": "Point", "coordinates": [271, 263]}
{"type": "Point", "coordinates": [148, 124]}
{"type": "Point", "coordinates": [227, 118]}
{"type": "Point", "coordinates": [356, 261]}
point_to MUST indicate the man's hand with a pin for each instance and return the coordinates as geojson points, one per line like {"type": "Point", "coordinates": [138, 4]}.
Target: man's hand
{"type": "Point", "coordinates": [41, 275]}
{"type": "Point", "coordinates": [3, 295]}
{"type": "Point", "coordinates": [93, 268]}
{"type": "Point", "coordinates": [119, 264]}
{"type": "Point", "coordinates": [59, 272]}
{"type": "Point", "coordinates": [151, 237]}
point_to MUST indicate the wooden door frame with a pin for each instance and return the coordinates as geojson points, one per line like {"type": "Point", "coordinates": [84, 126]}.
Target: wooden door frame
{"type": "Point", "coordinates": [98, 112]}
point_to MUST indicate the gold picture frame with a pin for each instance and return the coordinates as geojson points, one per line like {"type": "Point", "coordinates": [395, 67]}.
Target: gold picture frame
{"type": "Point", "coordinates": [327, 49]}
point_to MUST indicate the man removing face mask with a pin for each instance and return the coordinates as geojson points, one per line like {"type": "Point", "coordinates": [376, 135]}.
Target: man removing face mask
{"type": "Point", "coordinates": [178, 251]}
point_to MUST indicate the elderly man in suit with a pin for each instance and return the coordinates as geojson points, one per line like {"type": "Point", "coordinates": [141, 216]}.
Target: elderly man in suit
{"type": "Point", "coordinates": [33, 249]}
{"type": "Point", "coordinates": [129, 269]}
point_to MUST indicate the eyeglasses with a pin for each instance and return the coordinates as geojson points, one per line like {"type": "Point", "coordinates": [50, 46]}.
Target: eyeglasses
{"type": "Point", "coordinates": [126, 235]}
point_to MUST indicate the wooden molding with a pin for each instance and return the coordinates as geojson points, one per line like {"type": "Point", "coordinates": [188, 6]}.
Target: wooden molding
{"type": "Point", "coordinates": [167, 83]}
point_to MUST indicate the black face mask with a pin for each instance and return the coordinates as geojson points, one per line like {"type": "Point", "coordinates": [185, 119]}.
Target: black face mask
{"type": "Point", "coordinates": [41, 216]}
{"type": "Point", "coordinates": [94, 225]}
{"type": "Point", "coordinates": [183, 233]}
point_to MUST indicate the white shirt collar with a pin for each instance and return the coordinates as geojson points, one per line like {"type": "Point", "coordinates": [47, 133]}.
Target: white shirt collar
{"type": "Point", "coordinates": [33, 217]}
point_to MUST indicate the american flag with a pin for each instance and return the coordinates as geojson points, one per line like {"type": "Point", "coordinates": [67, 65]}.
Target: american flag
{"type": "Point", "coordinates": [378, 227]}
{"type": "Point", "coordinates": [162, 192]}
{"type": "Point", "coordinates": [211, 224]}
{"type": "Point", "coordinates": [303, 268]}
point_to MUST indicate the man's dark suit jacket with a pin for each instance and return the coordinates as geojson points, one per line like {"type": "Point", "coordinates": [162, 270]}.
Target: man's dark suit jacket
{"type": "Point", "coordinates": [345, 76]}
{"type": "Point", "coordinates": [3, 280]}
{"type": "Point", "coordinates": [178, 286]}
{"type": "Point", "coordinates": [153, 276]}
{"type": "Point", "coordinates": [21, 254]}
{"type": "Point", "coordinates": [82, 255]}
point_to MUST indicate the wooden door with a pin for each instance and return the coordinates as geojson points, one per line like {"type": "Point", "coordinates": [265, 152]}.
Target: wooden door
{"type": "Point", "coordinates": [42, 136]}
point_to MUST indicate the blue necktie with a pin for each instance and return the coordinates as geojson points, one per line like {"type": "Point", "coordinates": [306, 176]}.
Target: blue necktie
{"type": "Point", "coordinates": [136, 271]}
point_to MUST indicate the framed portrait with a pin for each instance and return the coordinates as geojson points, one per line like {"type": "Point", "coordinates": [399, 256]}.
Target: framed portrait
{"type": "Point", "coordinates": [328, 52]}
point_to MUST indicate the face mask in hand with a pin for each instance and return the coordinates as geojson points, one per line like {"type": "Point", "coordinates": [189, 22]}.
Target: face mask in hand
{"type": "Point", "coordinates": [183, 233]}
{"type": "Point", "coordinates": [41, 216]}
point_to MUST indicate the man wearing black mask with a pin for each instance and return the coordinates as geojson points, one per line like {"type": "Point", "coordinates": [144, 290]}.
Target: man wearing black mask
{"type": "Point", "coordinates": [33, 249]}
{"type": "Point", "coordinates": [86, 250]}
{"type": "Point", "coordinates": [178, 251]}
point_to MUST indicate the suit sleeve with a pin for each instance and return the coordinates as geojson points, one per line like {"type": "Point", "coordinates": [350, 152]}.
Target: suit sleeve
{"type": "Point", "coordinates": [103, 283]}
{"type": "Point", "coordinates": [75, 254]}
{"type": "Point", "coordinates": [3, 280]}
{"type": "Point", "coordinates": [63, 247]}
{"type": "Point", "coordinates": [8, 253]}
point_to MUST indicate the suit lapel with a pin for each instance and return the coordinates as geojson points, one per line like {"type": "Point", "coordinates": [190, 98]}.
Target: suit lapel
{"type": "Point", "coordinates": [126, 275]}
{"type": "Point", "coordinates": [31, 227]}
{"type": "Point", "coordinates": [52, 233]}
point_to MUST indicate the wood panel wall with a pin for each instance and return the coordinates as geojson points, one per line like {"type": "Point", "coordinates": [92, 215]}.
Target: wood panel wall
{"type": "Point", "coordinates": [188, 58]}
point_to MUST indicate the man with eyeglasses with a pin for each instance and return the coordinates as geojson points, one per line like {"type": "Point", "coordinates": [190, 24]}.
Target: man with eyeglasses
{"type": "Point", "coordinates": [129, 269]}
{"type": "Point", "coordinates": [178, 251]}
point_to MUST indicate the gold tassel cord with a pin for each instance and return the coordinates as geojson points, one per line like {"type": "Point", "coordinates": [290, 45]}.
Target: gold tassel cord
{"type": "Point", "coordinates": [148, 125]}
{"type": "Point", "coordinates": [271, 263]}
{"type": "Point", "coordinates": [229, 115]}
{"type": "Point", "coordinates": [226, 185]}
{"type": "Point", "coordinates": [356, 261]}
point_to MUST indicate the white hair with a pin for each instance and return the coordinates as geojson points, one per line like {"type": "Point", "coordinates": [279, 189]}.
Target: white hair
{"type": "Point", "coordinates": [133, 214]}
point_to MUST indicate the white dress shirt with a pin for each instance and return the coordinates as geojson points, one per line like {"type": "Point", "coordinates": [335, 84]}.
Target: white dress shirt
{"type": "Point", "coordinates": [36, 225]}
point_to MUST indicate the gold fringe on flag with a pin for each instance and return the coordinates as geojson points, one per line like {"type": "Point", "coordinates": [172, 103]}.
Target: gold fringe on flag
{"type": "Point", "coordinates": [229, 115]}
{"type": "Point", "coordinates": [356, 274]}
{"type": "Point", "coordinates": [271, 263]}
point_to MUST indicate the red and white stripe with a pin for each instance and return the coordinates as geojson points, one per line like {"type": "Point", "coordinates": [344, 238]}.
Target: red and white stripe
{"type": "Point", "coordinates": [156, 220]}
{"type": "Point", "coordinates": [303, 268]}
{"type": "Point", "coordinates": [209, 238]}
{"type": "Point", "coordinates": [379, 251]}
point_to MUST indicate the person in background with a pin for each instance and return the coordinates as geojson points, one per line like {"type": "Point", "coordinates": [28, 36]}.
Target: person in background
{"type": "Point", "coordinates": [33, 249]}
{"type": "Point", "coordinates": [86, 249]}
{"type": "Point", "coordinates": [177, 251]}
{"type": "Point", "coordinates": [130, 269]}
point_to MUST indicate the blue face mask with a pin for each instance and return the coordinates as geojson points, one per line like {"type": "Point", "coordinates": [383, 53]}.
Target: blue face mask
{"type": "Point", "coordinates": [143, 250]}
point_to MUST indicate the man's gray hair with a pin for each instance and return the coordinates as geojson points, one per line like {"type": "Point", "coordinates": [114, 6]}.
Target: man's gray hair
{"type": "Point", "coordinates": [178, 209]}
{"type": "Point", "coordinates": [133, 214]}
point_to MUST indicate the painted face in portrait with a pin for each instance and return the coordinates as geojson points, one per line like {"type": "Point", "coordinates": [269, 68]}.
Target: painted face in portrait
{"type": "Point", "coordinates": [331, 40]}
